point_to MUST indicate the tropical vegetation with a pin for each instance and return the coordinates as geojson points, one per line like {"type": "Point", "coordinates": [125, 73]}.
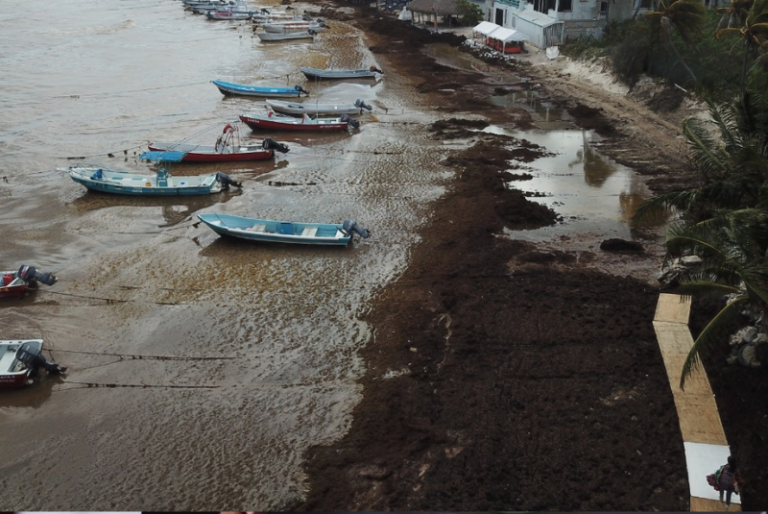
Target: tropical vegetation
{"type": "Point", "coordinates": [723, 219]}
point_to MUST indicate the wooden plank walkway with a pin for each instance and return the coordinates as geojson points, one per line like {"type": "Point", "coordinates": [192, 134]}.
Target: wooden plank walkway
{"type": "Point", "coordinates": [706, 448]}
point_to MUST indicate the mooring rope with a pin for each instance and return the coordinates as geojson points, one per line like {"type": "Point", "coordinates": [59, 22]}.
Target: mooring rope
{"type": "Point", "coordinates": [130, 356]}
{"type": "Point", "coordinates": [139, 386]}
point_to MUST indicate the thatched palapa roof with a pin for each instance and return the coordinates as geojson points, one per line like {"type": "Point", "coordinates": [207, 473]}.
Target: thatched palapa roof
{"type": "Point", "coordinates": [441, 7]}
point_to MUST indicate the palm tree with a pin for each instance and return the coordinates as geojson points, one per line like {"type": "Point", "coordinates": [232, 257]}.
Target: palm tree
{"type": "Point", "coordinates": [732, 246]}
{"type": "Point", "coordinates": [724, 218]}
{"type": "Point", "coordinates": [686, 17]}
{"type": "Point", "coordinates": [753, 30]}
{"type": "Point", "coordinates": [733, 15]}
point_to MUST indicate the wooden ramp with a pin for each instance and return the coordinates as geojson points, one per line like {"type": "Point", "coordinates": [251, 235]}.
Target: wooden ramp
{"type": "Point", "coordinates": [706, 448]}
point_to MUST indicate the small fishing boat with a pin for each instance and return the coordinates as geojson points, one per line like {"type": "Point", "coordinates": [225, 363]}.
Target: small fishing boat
{"type": "Point", "coordinates": [17, 283]}
{"type": "Point", "coordinates": [280, 27]}
{"type": "Point", "coordinates": [268, 15]}
{"type": "Point", "coordinates": [231, 89]}
{"type": "Point", "coordinates": [271, 121]}
{"type": "Point", "coordinates": [228, 148]}
{"type": "Point", "coordinates": [360, 73]}
{"type": "Point", "coordinates": [204, 6]}
{"type": "Point", "coordinates": [286, 35]}
{"type": "Point", "coordinates": [270, 231]}
{"type": "Point", "coordinates": [315, 109]}
{"type": "Point", "coordinates": [228, 14]}
{"type": "Point", "coordinates": [160, 184]}
{"type": "Point", "coordinates": [20, 359]}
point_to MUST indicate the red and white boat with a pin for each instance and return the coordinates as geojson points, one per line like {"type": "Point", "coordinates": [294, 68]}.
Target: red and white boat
{"type": "Point", "coordinates": [228, 148]}
{"type": "Point", "coordinates": [17, 283]}
{"type": "Point", "coordinates": [20, 359]}
{"type": "Point", "coordinates": [272, 121]}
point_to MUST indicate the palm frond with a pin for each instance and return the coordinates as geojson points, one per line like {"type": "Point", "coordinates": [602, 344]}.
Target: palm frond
{"type": "Point", "coordinates": [717, 330]}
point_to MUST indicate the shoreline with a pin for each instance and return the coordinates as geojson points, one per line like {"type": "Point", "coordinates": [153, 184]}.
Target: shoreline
{"type": "Point", "coordinates": [501, 376]}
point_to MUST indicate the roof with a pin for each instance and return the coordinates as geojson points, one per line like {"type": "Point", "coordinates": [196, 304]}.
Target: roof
{"type": "Point", "coordinates": [506, 35]}
{"type": "Point", "coordinates": [442, 7]}
{"type": "Point", "coordinates": [485, 27]}
{"type": "Point", "coordinates": [537, 18]}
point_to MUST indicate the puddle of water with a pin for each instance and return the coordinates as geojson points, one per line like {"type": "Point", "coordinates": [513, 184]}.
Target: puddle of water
{"type": "Point", "coordinates": [592, 193]}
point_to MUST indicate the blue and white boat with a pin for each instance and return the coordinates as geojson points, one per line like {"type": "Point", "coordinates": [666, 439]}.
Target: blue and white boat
{"type": "Point", "coordinates": [291, 232]}
{"type": "Point", "coordinates": [160, 184]}
{"type": "Point", "coordinates": [230, 89]}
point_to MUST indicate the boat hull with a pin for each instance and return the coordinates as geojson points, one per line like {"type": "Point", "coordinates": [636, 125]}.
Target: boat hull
{"type": "Point", "coordinates": [318, 74]}
{"type": "Point", "coordinates": [287, 36]}
{"type": "Point", "coordinates": [271, 231]}
{"type": "Point", "coordinates": [283, 27]}
{"type": "Point", "coordinates": [299, 109]}
{"type": "Point", "coordinates": [292, 124]}
{"type": "Point", "coordinates": [230, 89]}
{"type": "Point", "coordinates": [115, 182]}
{"type": "Point", "coordinates": [211, 156]}
{"type": "Point", "coordinates": [16, 291]}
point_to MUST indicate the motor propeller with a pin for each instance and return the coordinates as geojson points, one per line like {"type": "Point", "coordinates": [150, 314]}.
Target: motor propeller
{"type": "Point", "coordinates": [31, 275]}
{"type": "Point", "coordinates": [362, 105]}
{"type": "Point", "coordinates": [226, 181]}
{"type": "Point", "coordinates": [351, 122]}
{"type": "Point", "coordinates": [351, 227]}
{"type": "Point", "coordinates": [271, 144]}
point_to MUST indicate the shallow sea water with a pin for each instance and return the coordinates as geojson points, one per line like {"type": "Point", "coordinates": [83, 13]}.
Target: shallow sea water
{"type": "Point", "coordinates": [249, 352]}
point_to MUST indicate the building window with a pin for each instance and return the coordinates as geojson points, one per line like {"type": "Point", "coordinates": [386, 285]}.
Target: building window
{"type": "Point", "coordinates": [565, 6]}
{"type": "Point", "coordinates": [603, 7]}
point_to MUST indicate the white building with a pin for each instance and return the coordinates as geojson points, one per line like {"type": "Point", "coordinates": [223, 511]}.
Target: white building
{"type": "Point", "coordinates": [551, 22]}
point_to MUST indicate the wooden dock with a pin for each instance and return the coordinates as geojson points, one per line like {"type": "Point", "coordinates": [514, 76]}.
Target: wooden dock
{"type": "Point", "coordinates": [706, 448]}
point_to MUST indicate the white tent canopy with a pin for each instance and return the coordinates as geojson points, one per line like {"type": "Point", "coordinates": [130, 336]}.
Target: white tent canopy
{"type": "Point", "coordinates": [506, 35]}
{"type": "Point", "coordinates": [485, 28]}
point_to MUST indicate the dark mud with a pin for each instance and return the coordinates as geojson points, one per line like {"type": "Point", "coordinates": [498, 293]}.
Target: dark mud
{"type": "Point", "coordinates": [501, 377]}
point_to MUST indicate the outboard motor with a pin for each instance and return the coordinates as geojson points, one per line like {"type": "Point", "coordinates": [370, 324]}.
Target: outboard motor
{"type": "Point", "coordinates": [362, 105]}
{"type": "Point", "coordinates": [271, 144]}
{"type": "Point", "coordinates": [301, 89]}
{"type": "Point", "coordinates": [350, 227]}
{"type": "Point", "coordinates": [312, 32]}
{"type": "Point", "coordinates": [374, 68]}
{"type": "Point", "coordinates": [264, 11]}
{"type": "Point", "coordinates": [34, 358]}
{"type": "Point", "coordinates": [31, 275]}
{"type": "Point", "coordinates": [352, 123]}
{"type": "Point", "coordinates": [226, 181]}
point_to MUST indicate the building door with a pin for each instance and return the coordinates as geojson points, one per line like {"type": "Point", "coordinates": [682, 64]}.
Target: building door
{"type": "Point", "coordinates": [500, 17]}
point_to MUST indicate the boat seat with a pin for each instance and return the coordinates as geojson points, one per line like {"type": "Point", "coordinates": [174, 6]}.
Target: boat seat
{"type": "Point", "coordinates": [309, 232]}
{"type": "Point", "coordinates": [7, 360]}
{"type": "Point", "coordinates": [258, 227]}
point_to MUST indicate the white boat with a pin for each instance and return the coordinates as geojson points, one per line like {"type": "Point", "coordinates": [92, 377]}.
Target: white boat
{"type": "Point", "coordinates": [288, 232]}
{"type": "Point", "coordinates": [228, 15]}
{"type": "Point", "coordinates": [20, 359]}
{"type": "Point", "coordinates": [340, 73]}
{"type": "Point", "coordinates": [161, 184]}
{"type": "Point", "coordinates": [278, 27]}
{"type": "Point", "coordinates": [268, 16]}
{"type": "Point", "coordinates": [206, 6]}
{"type": "Point", "coordinates": [314, 109]}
